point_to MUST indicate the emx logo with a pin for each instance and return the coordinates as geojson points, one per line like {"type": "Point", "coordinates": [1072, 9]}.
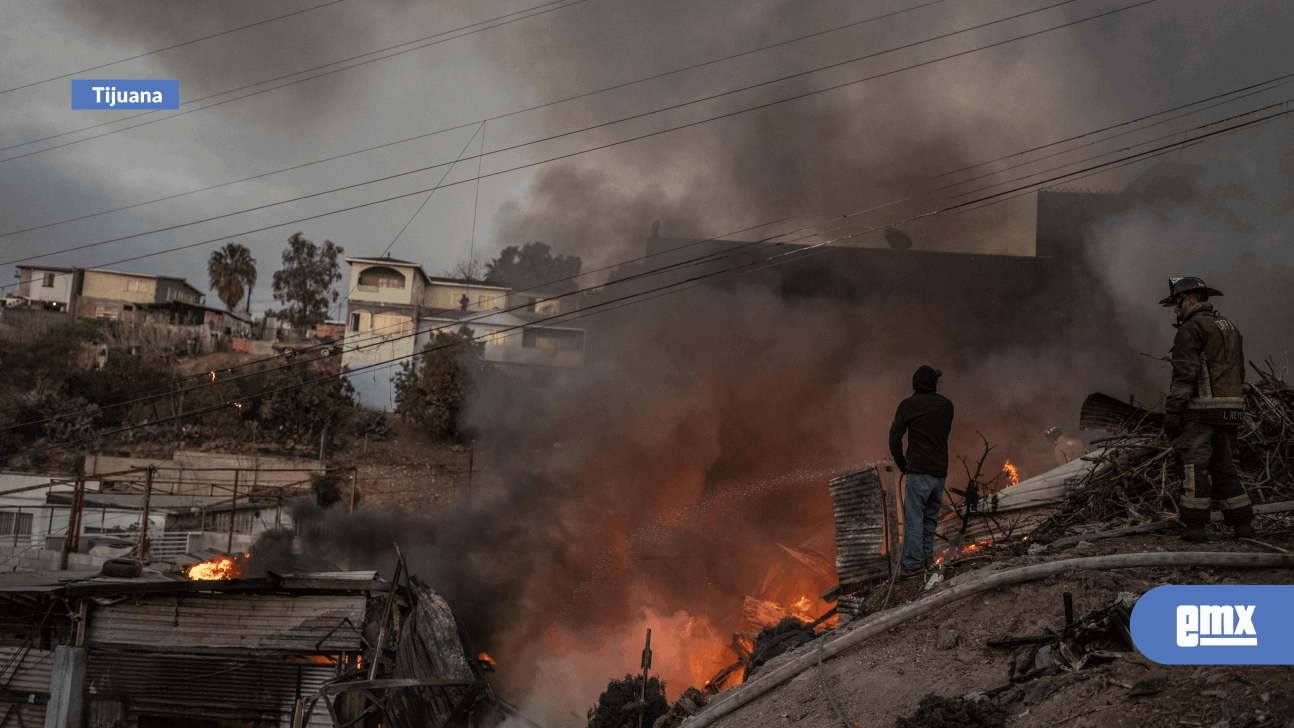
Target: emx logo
{"type": "Point", "coordinates": [1215, 625]}
{"type": "Point", "coordinates": [1219, 622]}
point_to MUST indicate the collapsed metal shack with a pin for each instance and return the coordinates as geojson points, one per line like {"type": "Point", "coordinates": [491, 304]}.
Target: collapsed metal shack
{"type": "Point", "coordinates": [81, 650]}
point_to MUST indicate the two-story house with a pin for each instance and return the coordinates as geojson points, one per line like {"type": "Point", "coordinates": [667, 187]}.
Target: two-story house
{"type": "Point", "coordinates": [97, 293]}
{"type": "Point", "coordinates": [395, 308]}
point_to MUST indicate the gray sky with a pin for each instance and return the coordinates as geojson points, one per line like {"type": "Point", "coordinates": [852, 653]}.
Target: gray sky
{"type": "Point", "coordinates": [830, 154]}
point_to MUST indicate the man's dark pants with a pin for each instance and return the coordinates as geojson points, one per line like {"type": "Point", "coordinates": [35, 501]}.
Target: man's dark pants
{"type": "Point", "coordinates": [921, 501]}
{"type": "Point", "coordinates": [1205, 453]}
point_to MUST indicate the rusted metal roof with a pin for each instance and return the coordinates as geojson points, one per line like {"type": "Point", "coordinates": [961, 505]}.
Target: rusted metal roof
{"type": "Point", "coordinates": [243, 623]}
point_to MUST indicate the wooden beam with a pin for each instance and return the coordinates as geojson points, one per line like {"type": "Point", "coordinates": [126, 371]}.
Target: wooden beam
{"type": "Point", "coordinates": [410, 682]}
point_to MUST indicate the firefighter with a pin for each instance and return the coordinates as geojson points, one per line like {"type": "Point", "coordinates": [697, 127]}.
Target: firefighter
{"type": "Point", "coordinates": [1065, 448]}
{"type": "Point", "coordinates": [1204, 408]}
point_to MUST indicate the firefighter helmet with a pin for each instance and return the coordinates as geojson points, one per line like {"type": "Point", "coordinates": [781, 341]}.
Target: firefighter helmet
{"type": "Point", "coordinates": [1189, 284]}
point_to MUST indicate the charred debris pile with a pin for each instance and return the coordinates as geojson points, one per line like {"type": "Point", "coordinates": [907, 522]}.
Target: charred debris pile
{"type": "Point", "coordinates": [1135, 481]}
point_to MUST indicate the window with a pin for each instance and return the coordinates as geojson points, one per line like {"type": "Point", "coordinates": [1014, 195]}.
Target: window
{"type": "Point", "coordinates": [49, 281]}
{"type": "Point", "coordinates": [371, 279]}
{"type": "Point", "coordinates": [104, 313]}
{"type": "Point", "coordinates": [15, 524]}
{"type": "Point", "coordinates": [134, 286]}
{"type": "Point", "coordinates": [553, 339]}
{"type": "Point", "coordinates": [389, 324]}
{"type": "Point", "coordinates": [359, 321]}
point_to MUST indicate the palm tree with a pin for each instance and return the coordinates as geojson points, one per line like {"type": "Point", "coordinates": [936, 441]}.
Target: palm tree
{"type": "Point", "coordinates": [232, 272]}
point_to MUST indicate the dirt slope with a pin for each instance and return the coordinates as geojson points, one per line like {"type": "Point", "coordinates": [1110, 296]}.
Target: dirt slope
{"type": "Point", "coordinates": [944, 653]}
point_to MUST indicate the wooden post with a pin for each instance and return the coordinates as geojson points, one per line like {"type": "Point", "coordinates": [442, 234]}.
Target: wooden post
{"type": "Point", "coordinates": [353, 472]}
{"type": "Point", "coordinates": [82, 614]}
{"type": "Point", "coordinates": [144, 544]}
{"type": "Point", "coordinates": [895, 499]}
{"type": "Point", "coordinates": [646, 669]}
{"type": "Point", "coordinates": [70, 540]}
{"type": "Point", "coordinates": [16, 521]}
{"type": "Point", "coordinates": [233, 511]}
{"type": "Point", "coordinates": [278, 512]}
{"type": "Point", "coordinates": [386, 615]}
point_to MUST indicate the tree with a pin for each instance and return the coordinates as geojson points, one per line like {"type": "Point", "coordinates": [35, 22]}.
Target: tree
{"type": "Point", "coordinates": [533, 264]}
{"type": "Point", "coordinates": [232, 272]}
{"type": "Point", "coordinates": [432, 392]}
{"type": "Point", "coordinates": [468, 269]}
{"type": "Point", "coordinates": [304, 285]}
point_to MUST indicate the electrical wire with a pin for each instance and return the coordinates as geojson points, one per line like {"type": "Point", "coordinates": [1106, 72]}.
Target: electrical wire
{"type": "Point", "coordinates": [482, 121]}
{"type": "Point", "coordinates": [547, 5]}
{"type": "Point", "coordinates": [173, 47]}
{"type": "Point", "coordinates": [711, 256]}
{"type": "Point", "coordinates": [571, 154]}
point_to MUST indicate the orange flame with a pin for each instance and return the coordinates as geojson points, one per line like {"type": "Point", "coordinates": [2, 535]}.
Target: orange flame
{"type": "Point", "coordinates": [486, 659]}
{"type": "Point", "coordinates": [1012, 473]}
{"type": "Point", "coordinates": [221, 567]}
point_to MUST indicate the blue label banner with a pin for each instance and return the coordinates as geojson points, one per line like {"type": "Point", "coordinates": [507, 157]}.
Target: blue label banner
{"type": "Point", "coordinates": [1216, 625]}
{"type": "Point", "coordinates": [125, 94]}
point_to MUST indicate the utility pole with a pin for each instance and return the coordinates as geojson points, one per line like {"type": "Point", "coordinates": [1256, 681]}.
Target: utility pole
{"type": "Point", "coordinates": [143, 524]}
{"type": "Point", "coordinates": [71, 537]}
{"type": "Point", "coordinates": [233, 511]}
{"type": "Point", "coordinates": [646, 668]}
{"type": "Point", "coordinates": [353, 472]}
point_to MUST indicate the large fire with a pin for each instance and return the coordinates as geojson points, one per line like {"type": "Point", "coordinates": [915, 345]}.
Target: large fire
{"type": "Point", "coordinates": [221, 567]}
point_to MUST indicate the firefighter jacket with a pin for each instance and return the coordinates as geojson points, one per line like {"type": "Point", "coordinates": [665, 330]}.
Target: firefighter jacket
{"type": "Point", "coordinates": [1208, 369]}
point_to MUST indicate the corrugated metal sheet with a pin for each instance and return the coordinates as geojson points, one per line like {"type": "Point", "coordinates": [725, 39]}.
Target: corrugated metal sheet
{"type": "Point", "coordinates": [30, 673]}
{"type": "Point", "coordinates": [227, 689]}
{"type": "Point", "coordinates": [216, 624]}
{"type": "Point", "coordinates": [856, 500]}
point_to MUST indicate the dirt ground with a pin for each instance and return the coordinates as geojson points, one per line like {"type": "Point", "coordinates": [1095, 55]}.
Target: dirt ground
{"type": "Point", "coordinates": [409, 470]}
{"type": "Point", "coordinates": [944, 652]}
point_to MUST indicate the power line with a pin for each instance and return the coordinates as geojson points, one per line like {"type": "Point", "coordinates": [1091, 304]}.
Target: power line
{"type": "Point", "coordinates": [254, 362]}
{"type": "Point", "coordinates": [686, 262]}
{"type": "Point", "coordinates": [291, 83]}
{"type": "Point", "coordinates": [673, 266]}
{"type": "Point", "coordinates": [610, 144]}
{"type": "Point", "coordinates": [173, 47]}
{"type": "Point", "coordinates": [659, 290]}
{"type": "Point", "coordinates": [492, 118]}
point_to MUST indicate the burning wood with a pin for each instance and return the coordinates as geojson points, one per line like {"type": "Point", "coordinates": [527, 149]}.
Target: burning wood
{"type": "Point", "coordinates": [1012, 473]}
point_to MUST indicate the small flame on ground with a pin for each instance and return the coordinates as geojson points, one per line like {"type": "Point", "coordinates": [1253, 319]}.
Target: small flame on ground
{"type": "Point", "coordinates": [213, 376]}
{"type": "Point", "coordinates": [486, 659]}
{"type": "Point", "coordinates": [214, 570]}
{"type": "Point", "coordinates": [1012, 473]}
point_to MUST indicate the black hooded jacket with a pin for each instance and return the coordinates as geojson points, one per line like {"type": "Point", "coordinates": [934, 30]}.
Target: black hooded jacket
{"type": "Point", "coordinates": [927, 418]}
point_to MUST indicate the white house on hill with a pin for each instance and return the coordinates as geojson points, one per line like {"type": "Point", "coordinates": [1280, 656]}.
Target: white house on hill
{"type": "Point", "coordinates": [395, 308]}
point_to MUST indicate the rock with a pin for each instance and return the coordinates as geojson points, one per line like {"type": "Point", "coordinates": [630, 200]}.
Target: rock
{"type": "Point", "coordinates": [1084, 547]}
{"type": "Point", "coordinates": [945, 639]}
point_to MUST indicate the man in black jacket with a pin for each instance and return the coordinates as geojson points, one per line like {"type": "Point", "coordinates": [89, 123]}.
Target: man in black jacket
{"type": "Point", "coordinates": [926, 417]}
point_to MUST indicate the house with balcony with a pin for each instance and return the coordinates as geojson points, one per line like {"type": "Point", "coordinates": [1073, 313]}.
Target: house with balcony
{"type": "Point", "coordinates": [395, 308]}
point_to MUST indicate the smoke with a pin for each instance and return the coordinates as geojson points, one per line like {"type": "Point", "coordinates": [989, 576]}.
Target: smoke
{"type": "Point", "coordinates": [1224, 216]}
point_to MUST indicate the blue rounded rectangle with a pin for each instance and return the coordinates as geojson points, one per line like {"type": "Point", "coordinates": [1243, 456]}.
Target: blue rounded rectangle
{"type": "Point", "coordinates": [1216, 625]}
{"type": "Point", "coordinates": [125, 94]}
